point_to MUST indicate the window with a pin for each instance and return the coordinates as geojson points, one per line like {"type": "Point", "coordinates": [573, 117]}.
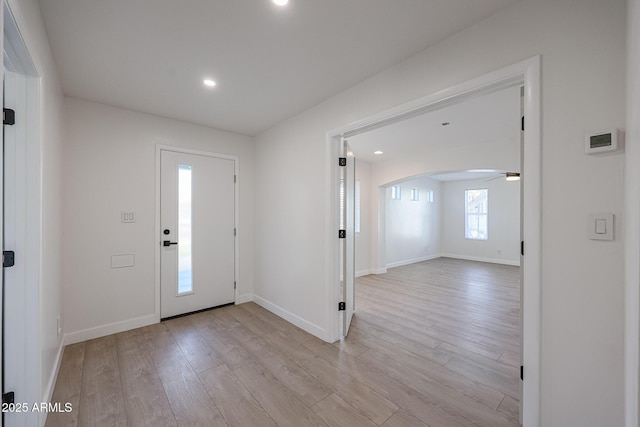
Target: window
{"type": "Point", "coordinates": [476, 211]}
{"type": "Point", "coordinates": [185, 284]}
{"type": "Point", "coordinates": [415, 194]}
{"type": "Point", "coordinates": [357, 207]}
{"type": "Point", "coordinates": [429, 196]}
{"type": "Point", "coordinates": [395, 192]}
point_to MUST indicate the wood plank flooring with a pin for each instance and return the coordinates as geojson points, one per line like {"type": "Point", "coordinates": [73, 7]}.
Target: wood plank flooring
{"type": "Point", "coordinates": [432, 344]}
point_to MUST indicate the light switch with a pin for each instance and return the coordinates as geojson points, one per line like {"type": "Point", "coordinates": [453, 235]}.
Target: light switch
{"type": "Point", "coordinates": [127, 217]}
{"type": "Point", "coordinates": [600, 226]}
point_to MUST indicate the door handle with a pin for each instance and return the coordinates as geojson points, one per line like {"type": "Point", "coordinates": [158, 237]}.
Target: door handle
{"type": "Point", "coordinates": [168, 243]}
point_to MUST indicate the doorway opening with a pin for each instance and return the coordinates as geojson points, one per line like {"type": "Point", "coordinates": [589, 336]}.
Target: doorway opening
{"type": "Point", "coordinates": [526, 74]}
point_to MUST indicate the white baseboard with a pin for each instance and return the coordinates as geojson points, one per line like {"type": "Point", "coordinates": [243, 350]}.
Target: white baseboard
{"type": "Point", "coordinates": [412, 261]}
{"type": "Point", "coordinates": [480, 259]}
{"type": "Point", "coordinates": [51, 383]}
{"type": "Point", "coordinates": [244, 298]}
{"type": "Point", "coordinates": [380, 271]}
{"type": "Point", "coordinates": [112, 328]}
{"type": "Point", "coordinates": [291, 318]}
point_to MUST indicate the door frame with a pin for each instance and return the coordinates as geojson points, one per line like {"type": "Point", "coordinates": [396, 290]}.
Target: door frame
{"type": "Point", "coordinates": [158, 226]}
{"type": "Point", "coordinates": [527, 73]}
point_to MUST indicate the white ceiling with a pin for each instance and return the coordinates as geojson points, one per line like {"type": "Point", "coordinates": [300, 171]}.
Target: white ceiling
{"type": "Point", "coordinates": [488, 119]}
{"type": "Point", "coordinates": [270, 63]}
{"type": "Point", "coordinates": [467, 175]}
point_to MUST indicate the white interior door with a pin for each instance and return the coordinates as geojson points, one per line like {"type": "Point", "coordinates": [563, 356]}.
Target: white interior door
{"type": "Point", "coordinates": [197, 217]}
{"type": "Point", "coordinates": [348, 254]}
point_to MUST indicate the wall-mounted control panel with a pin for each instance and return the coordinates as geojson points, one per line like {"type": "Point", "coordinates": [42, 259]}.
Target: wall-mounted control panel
{"type": "Point", "coordinates": [600, 142]}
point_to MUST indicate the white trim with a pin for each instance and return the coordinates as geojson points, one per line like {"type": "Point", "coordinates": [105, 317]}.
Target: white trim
{"type": "Point", "coordinates": [158, 226]}
{"type": "Point", "coordinates": [380, 271]}
{"type": "Point", "coordinates": [481, 259]}
{"type": "Point", "coordinates": [632, 220]}
{"type": "Point", "coordinates": [364, 272]}
{"type": "Point", "coordinates": [332, 244]}
{"type": "Point", "coordinates": [109, 329]}
{"type": "Point", "coordinates": [525, 72]}
{"type": "Point", "coordinates": [412, 261]}
{"type": "Point", "coordinates": [532, 236]}
{"type": "Point", "coordinates": [51, 383]}
{"type": "Point", "coordinates": [290, 317]}
{"type": "Point", "coordinates": [241, 299]}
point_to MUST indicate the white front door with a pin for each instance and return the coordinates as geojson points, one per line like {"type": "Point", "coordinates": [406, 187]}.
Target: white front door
{"type": "Point", "coordinates": [197, 236]}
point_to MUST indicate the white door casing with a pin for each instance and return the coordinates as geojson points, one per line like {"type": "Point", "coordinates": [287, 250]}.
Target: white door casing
{"type": "Point", "coordinates": [349, 273]}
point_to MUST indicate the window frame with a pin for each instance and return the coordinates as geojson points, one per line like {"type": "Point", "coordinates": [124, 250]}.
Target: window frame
{"type": "Point", "coordinates": [485, 213]}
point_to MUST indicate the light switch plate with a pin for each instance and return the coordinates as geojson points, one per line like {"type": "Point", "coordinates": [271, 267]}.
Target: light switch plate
{"type": "Point", "coordinates": [600, 226]}
{"type": "Point", "coordinates": [127, 216]}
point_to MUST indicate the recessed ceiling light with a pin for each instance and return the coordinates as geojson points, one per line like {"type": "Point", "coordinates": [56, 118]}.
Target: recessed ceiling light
{"type": "Point", "coordinates": [209, 82]}
{"type": "Point", "coordinates": [281, 2]}
{"type": "Point", "coordinates": [377, 152]}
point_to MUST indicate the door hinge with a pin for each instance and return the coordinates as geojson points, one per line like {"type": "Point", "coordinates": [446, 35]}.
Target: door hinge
{"type": "Point", "coordinates": [522, 247]}
{"type": "Point", "coordinates": [235, 178]}
{"type": "Point", "coordinates": [8, 258]}
{"type": "Point", "coordinates": [9, 397]}
{"type": "Point", "coordinates": [235, 232]}
{"type": "Point", "coordinates": [342, 234]}
{"type": "Point", "coordinates": [522, 123]}
{"type": "Point", "coordinates": [521, 373]}
{"type": "Point", "coordinates": [234, 284]}
{"type": "Point", "coordinates": [342, 161]}
{"type": "Point", "coordinates": [342, 306]}
{"type": "Point", "coordinates": [8, 116]}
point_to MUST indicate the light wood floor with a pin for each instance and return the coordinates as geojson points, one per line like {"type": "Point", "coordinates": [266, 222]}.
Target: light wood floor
{"type": "Point", "coordinates": [434, 343]}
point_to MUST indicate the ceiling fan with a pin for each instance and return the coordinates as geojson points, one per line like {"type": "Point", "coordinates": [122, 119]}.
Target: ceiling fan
{"type": "Point", "coordinates": [509, 176]}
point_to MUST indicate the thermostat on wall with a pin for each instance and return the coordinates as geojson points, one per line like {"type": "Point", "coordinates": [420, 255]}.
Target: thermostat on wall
{"type": "Point", "coordinates": [602, 141]}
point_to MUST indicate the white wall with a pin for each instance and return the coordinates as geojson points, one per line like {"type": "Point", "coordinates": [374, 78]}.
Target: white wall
{"type": "Point", "coordinates": [582, 281]}
{"type": "Point", "coordinates": [503, 243]}
{"type": "Point", "coordinates": [632, 216]}
{"type": "Point", "coordinates": [110, 166]}
{"type": "Point", "coordinates": [30, 24]}
{"type": "Point", "coordinates": [413, 227]}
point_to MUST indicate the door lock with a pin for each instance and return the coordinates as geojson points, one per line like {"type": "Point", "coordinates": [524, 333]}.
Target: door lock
{"type": "Point", "coordinates": [168, 243]}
